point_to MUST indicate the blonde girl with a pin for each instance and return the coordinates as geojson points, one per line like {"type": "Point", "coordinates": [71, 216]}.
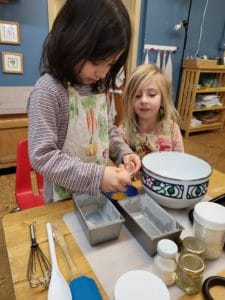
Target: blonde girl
{"type": "Point", "coordinates": [150, 119]}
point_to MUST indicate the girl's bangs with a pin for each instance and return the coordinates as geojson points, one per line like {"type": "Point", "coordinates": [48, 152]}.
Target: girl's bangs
{"type": "Point", "coordinates": [103, 53]}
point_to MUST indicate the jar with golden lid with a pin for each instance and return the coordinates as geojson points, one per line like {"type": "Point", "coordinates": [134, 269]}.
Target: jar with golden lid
{"type": "Point", "coordinates": [193, 245]}
{"type": "Point", "coordinates": [189, 273]}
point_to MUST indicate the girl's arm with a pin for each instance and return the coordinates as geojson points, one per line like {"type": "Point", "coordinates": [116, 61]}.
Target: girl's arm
{"type": "Point", "coordinates": [117, 146]}
{"type": "Point", "coordinates": [122, 133]}
{"type": "Point", "coordinates": [120, 152]}
{"type": "Point", "coordinates": [177, 139]}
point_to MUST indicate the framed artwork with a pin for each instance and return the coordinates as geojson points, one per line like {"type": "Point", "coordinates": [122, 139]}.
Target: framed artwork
{"type": "Point", "coordinates": [9, 32]}
{"type": "Point", "coordinates": [12, 62]}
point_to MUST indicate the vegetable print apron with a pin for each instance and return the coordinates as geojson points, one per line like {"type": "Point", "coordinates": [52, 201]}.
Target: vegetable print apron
{"type": "Point", "coordinates": [87, 133]}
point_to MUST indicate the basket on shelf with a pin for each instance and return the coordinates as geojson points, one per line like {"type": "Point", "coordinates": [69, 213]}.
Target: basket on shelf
{"type": "Point", "coordinates": [207, 63]}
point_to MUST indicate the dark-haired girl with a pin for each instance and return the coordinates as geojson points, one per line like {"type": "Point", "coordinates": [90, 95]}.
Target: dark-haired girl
{"type": "Point", "coordinates": [70, 135]}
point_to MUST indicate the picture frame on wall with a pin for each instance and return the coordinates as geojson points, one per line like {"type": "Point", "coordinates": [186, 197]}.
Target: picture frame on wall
{"type": "Point", "coordinates": [12, 62]}
{"type": "Point", "coordinates": [9, 32]}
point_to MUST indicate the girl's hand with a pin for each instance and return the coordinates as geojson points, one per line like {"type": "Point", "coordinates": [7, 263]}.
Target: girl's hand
{"type": "Point", "coordinates": [132, 163]}
{"type": "Point", "coordinates": [115, 179]}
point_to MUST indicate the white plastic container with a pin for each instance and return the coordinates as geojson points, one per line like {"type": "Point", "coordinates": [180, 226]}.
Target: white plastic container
{"type": "Point", "coordinates": [140, 284]}
{"type": "Point", "coordinates": [209, 226]}
{"type": "Point", "coordinates": [165, 263]}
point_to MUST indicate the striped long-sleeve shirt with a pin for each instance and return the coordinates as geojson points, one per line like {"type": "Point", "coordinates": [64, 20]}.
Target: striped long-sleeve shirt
{"type": "Point", "coordinates": [48, 112]}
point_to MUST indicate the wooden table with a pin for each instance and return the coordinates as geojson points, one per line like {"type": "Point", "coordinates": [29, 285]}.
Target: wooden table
{"type": "Point", "coordinates": [16, 229]}
{"type": "Point", "coordinates": [17, 237]}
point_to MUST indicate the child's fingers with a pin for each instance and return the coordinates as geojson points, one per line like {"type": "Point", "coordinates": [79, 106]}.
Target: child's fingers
{"type": "Point", "coordinates": [115, 179]}
{"type": "Point", "coordinates": [133, 163]}
{"type": "Point", "coordinates": [130, 167]}
{"type": "Point", "coordinates": [124, 178]}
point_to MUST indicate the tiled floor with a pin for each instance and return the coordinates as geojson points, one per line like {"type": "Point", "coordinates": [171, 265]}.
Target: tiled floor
{"type": "Point", "coordinates": [208, 145]}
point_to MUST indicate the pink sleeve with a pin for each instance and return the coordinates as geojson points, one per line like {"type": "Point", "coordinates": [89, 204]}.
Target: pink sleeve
{"type": "Point", "coordinates": [177, 139]}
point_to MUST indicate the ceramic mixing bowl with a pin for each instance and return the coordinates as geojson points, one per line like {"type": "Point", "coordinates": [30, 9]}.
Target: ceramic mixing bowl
{"type": "Point", "coordinates": [175, 179]}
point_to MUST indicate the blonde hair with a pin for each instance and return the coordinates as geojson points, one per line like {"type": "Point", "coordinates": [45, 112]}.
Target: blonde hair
{"type": "Point", "coordinates": [141, 76]}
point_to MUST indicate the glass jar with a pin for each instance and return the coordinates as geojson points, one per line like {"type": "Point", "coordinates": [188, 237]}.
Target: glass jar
{"type": "Point", "coordinates": [193, 245]}
{"type": "Point", "coordinates": [165, 263]}
{"type": "Point", "coordinates": [209, 226]}
{"type": "Point", "coordinates": [189, 273]}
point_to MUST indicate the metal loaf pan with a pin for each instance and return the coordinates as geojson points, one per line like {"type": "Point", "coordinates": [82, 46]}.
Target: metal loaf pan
{"type": "Point", "coordinates": [100, 219]}
{"type": "Point", "coordinates": [148, 221]}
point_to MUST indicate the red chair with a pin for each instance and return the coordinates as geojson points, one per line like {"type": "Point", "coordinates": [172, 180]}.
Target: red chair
{"type": "Point", "coordinates": [25, 196]}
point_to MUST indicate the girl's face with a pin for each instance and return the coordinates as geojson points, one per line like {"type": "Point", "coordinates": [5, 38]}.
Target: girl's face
{"type": "Point", "coordinates": [147, 102]}
{"type": "Point", "coordinates": [91, 72]}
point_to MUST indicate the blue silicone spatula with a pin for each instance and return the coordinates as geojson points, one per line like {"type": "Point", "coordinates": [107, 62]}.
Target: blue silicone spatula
{"type": "Point", "coordinates": [81, 286]}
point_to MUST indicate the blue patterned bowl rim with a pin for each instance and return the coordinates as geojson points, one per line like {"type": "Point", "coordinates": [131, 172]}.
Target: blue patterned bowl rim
{"type": "Point", "coordinates": [148, 171]}
{"type": "Point", "coordinates": [176, 179]}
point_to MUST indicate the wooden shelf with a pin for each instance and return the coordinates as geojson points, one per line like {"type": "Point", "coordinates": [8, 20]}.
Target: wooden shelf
{"type": "Point", "coordinates": [191, 78]}
{"type": "Point", "coordinates": [210, 90]}
{"type": "Point", "coordinates": [202, 127]}
{"type": "Point", "coordinates": [208, 108]}
{"type": "Point", "coordinates": [203, 65]}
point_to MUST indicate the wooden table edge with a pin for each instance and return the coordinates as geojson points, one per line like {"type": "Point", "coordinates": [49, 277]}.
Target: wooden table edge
{"type": "Point", "coordinates": [62, 208]}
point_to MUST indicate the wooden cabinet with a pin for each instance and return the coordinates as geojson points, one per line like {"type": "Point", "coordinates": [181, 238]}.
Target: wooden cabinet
{"type": "Point", "coordinates": [13, 128]}
{"type": "Point", "coordinates": [199, 80]}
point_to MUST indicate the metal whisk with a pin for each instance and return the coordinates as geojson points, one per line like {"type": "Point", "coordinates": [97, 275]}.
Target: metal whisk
{"type": "Point", "coordinates": [39, 268]}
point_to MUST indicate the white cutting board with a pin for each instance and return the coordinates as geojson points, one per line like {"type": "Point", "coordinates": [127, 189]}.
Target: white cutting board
{"type": "Point", "coordinates": [112, 259]}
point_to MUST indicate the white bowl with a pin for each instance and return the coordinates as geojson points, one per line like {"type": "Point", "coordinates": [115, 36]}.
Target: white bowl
{"type": "Point", "coordinates": [175, 179]}
{"type": "Point", "coordinates": [140, 284]}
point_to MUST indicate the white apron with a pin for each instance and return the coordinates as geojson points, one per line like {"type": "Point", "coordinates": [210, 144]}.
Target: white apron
{"type": "Point", "coordinates": [87, 133]}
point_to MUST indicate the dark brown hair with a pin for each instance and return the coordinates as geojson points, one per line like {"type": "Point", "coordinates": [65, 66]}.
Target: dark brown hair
{"type": "Point", "coordinates": [84, 30]}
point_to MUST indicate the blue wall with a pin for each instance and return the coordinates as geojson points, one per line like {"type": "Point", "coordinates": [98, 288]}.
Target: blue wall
{"type": "Point", "coordinates": [213, 37]}
{"type": "Point", "coordinates": [32, 16]}
{"type": "Point", "coordinates": [157, 27]}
